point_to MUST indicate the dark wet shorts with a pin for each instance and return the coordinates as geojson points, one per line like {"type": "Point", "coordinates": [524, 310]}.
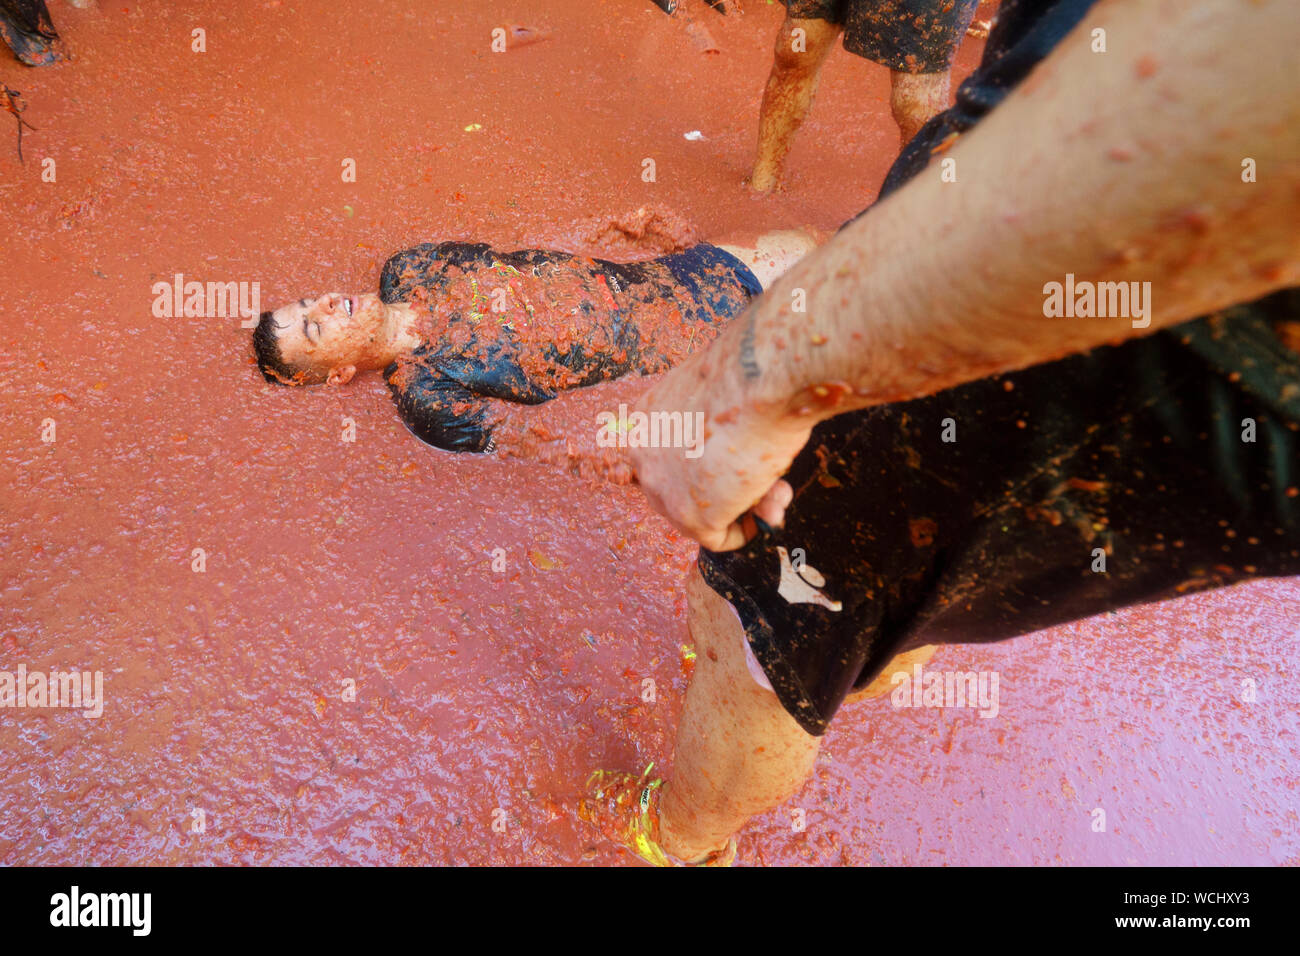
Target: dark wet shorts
{"type": "Point", "coordinates": [910, 36]}
{"type": "Point", "coordinates": [1125, 475]}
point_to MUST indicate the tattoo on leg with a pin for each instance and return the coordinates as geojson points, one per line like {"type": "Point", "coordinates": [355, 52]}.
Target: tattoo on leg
{"type": "Point", "coordinates": [747, 360]}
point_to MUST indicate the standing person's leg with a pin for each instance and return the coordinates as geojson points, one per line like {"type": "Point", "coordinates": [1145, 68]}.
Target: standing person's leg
{"type": "Point", "coordinates": [796, 64]}
{"type": "Point", "coordinates": [738, 752]}
{"type": "Point", "coordinates": [915, 98]}
{"type": "Point", "coordinates": [917, 40]}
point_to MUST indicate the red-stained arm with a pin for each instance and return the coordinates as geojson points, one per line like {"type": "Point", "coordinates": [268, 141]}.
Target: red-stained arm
{"type": "Point", "coordinates": [1124, 166]}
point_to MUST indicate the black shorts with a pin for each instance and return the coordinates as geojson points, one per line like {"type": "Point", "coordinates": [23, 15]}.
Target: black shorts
{"type": "Point", "coordinates": [1015, 503]}
{"type": "Point", "coordinates": [910, 36]}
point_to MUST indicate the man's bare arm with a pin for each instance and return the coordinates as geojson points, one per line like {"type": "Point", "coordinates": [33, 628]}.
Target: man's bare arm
{"type": "Point", "coordinates": [1123, 166]}
{"type": "Point", "coordinates": [1120, 166]}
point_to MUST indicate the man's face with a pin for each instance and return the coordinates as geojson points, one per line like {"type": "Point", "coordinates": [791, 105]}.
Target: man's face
{"type": "Point", "coordinates": [331, 333]}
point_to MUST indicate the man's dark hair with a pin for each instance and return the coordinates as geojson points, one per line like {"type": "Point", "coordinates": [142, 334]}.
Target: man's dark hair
{"type": "Point", "coordinates": [266, 345]}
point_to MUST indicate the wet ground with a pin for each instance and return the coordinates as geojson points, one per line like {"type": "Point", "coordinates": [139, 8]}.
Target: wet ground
{"type": "Point", "coordinates": [482, 696]}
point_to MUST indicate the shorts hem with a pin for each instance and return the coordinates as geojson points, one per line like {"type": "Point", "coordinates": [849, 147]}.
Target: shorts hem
{"type": "Point", "coordinates": [789, 690]}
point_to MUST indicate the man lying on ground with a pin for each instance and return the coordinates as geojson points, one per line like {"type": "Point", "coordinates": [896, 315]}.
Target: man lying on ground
{"type": "Point", "coordinates": [462, 331]}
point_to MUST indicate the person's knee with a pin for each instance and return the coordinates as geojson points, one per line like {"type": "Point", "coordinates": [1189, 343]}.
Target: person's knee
{"type": "Point", "coordinates": [720, 639]}
{"type": "Point", "coordinates": [918, 96]}
{"type": "Point", "coordinates": [801, 45]}
{"type": "Point", "coordinates": [712, 620]}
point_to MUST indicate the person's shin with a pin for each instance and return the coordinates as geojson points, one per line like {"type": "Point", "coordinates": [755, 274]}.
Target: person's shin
{"type": "Point", "coordinates": [800, 50]}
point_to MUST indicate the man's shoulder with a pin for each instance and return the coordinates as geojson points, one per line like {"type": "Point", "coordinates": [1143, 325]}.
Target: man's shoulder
{"type": "Point", "coordinates": [427, 263]}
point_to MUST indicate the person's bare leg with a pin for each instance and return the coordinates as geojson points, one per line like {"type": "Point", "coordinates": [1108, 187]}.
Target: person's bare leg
{"type": "Point", "coordinates": [738, 752]}
{"type": "Point", "coordinates": [883, 682]}
{"type": "Point", "coordinates": [769, 256]}
{"type": "Point", "coordinates": [796, 63]}
{"type": "Point", "coordinates": [914, 98]}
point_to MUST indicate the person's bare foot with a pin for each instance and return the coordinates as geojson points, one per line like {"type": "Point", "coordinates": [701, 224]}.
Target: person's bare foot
{"type": "Point", "coordinates": [764, 180]}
